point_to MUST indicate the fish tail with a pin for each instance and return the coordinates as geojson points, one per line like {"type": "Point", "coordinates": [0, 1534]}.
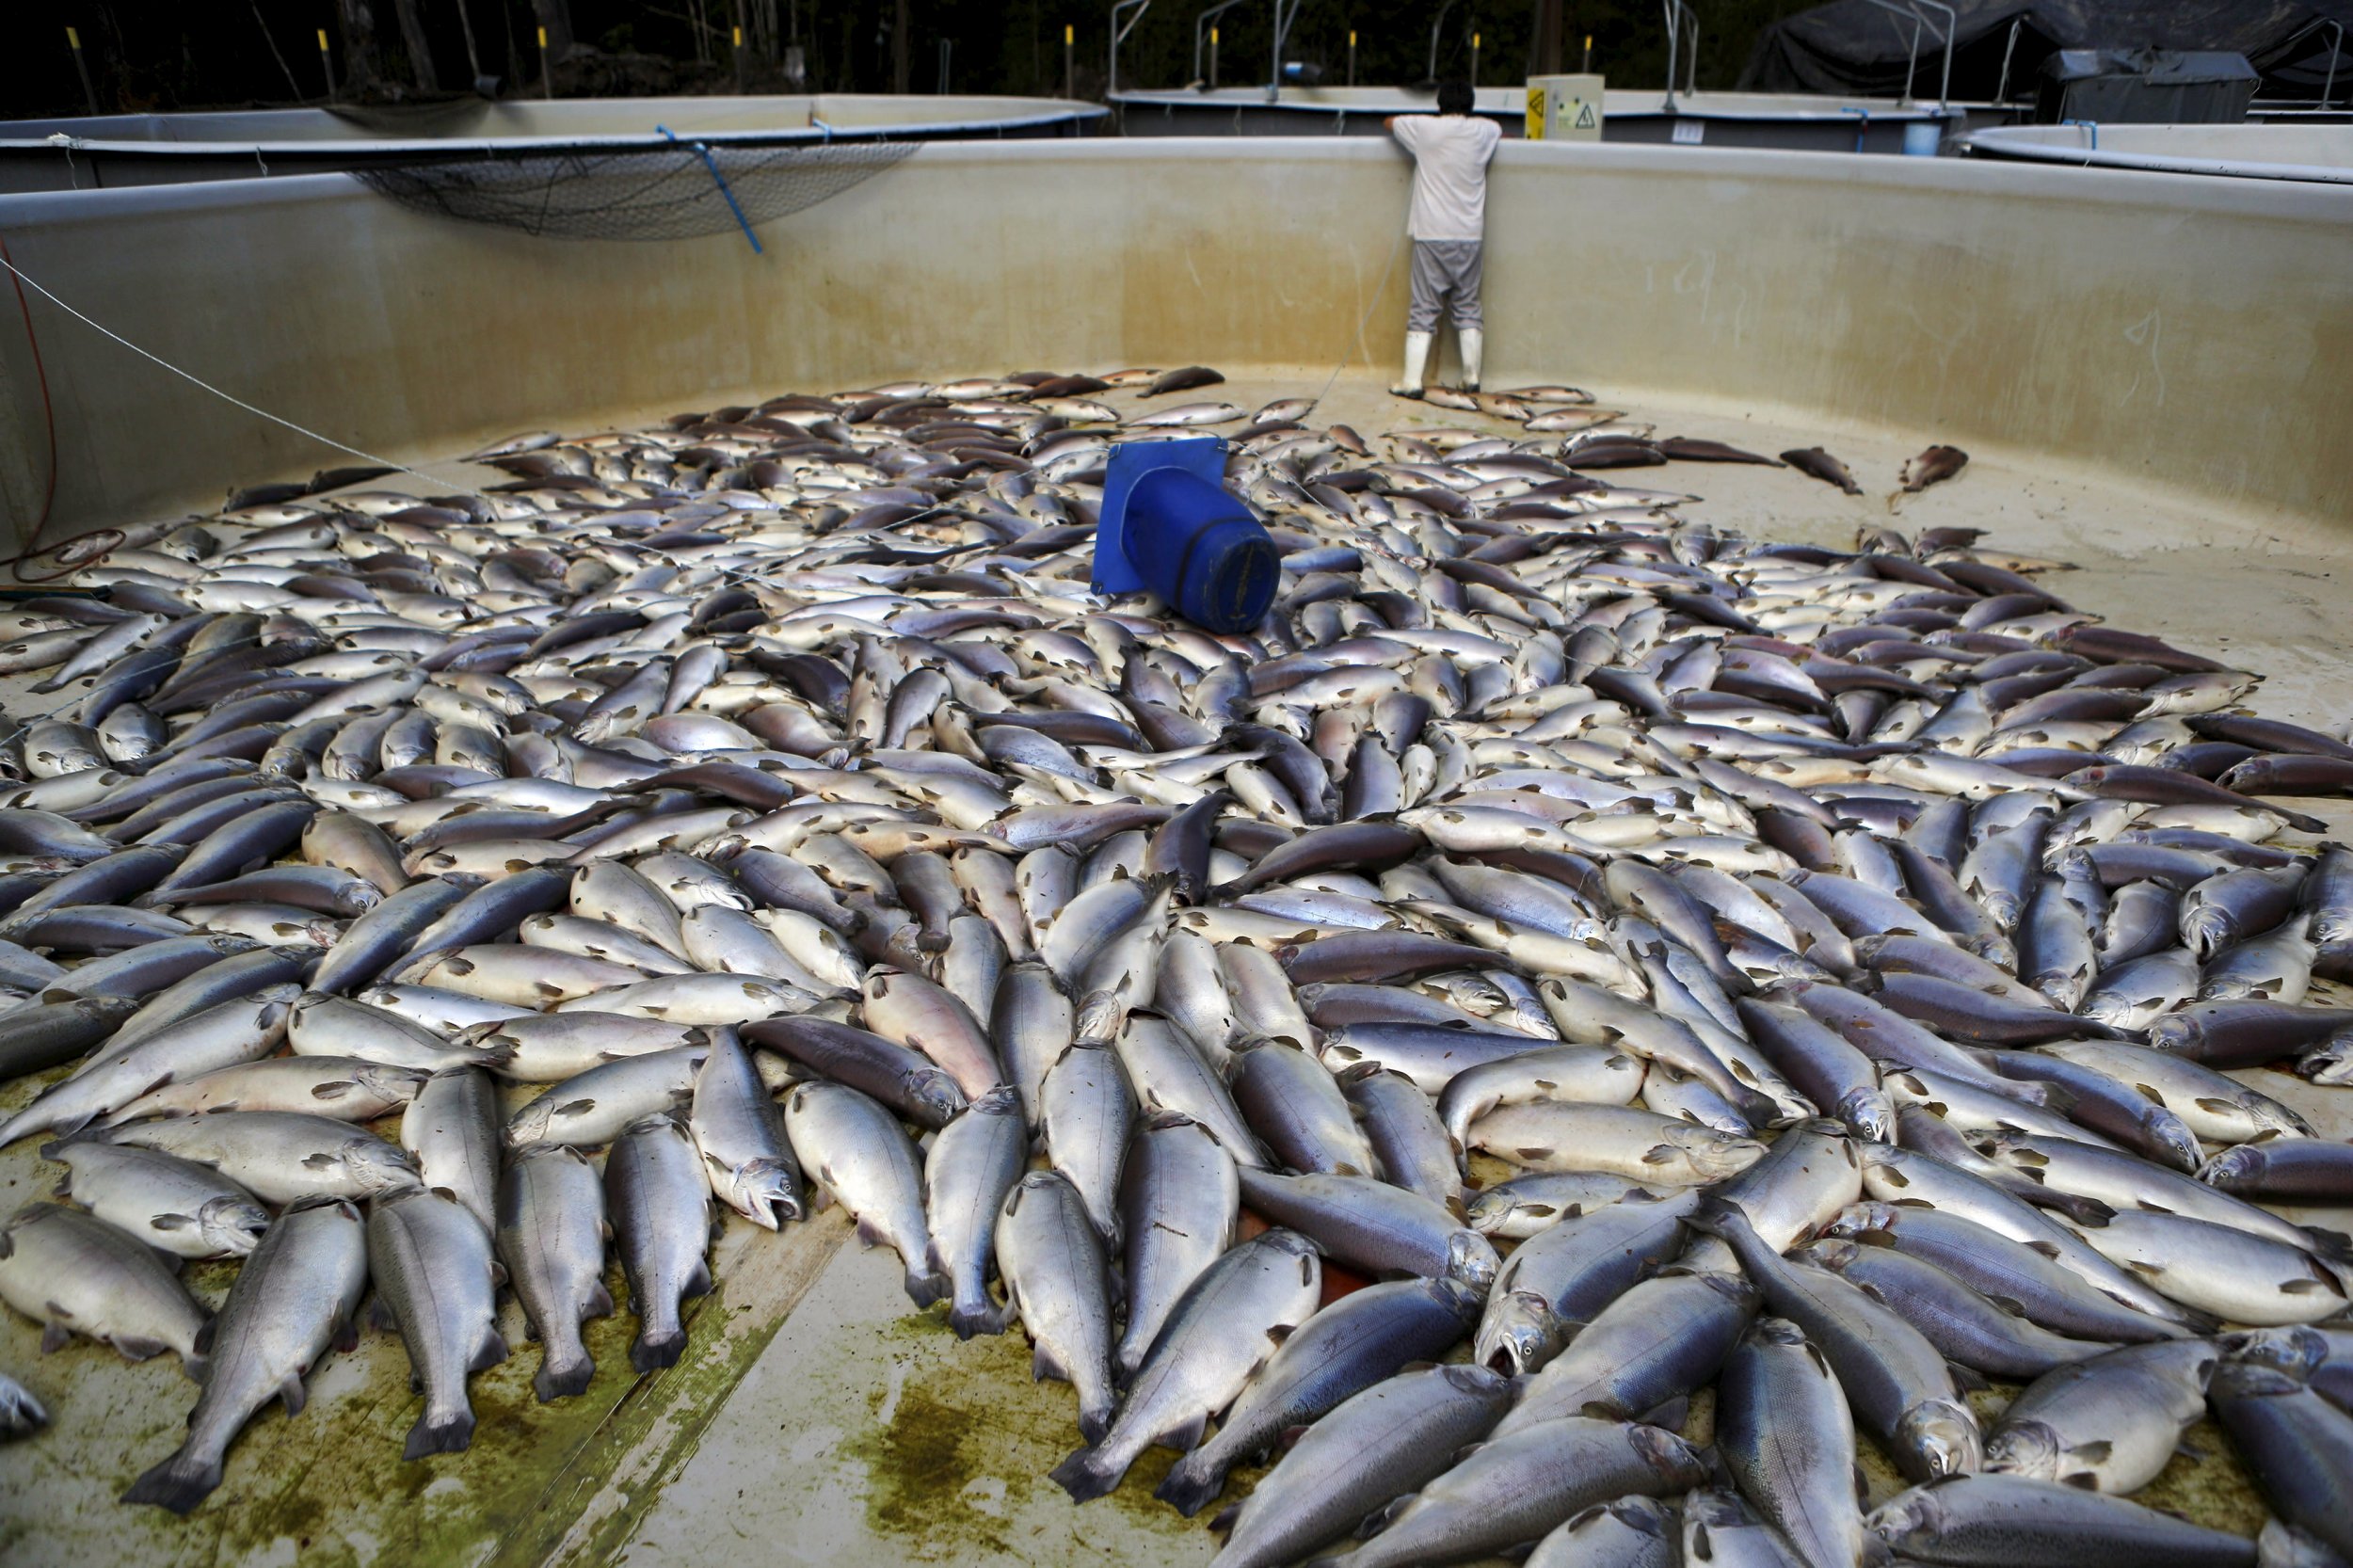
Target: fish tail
{"type": "Point", "coordinates": [1096, 1421]}
{"type": "Point", "coordinates": [979, 1318]}
{"type": "Point", "coordinates": [925, 1287]}
{"type": "Point", "coordinates": [179, 1483]}
{"type": "Point", "coordinates": [656, 1349]}
{"type": "Point", "coordinates": [1086, 1476]}
{"type": "Point", "coordinates": [562, 1375]}
{"type": "Point", "coordinates": [1193, 1485]}
{"type": "Point", "coordinates": [439, 1434]}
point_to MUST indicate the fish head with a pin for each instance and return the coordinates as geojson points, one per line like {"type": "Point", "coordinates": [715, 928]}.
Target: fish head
{"type": "Point", "coordinates": [1868, 1111]}
{"type": "Point", "coordinates": [379, 1167]}
{"type": "Point", "coordinates": [2295, 1350]}
{"type": "Point", "coordinates": [766, 1191]}
{"type": "Point", "coordinates": [1471, 1261]}
{"type": "Point", "coordinates": [1907, 1519]}
{"type": "Point", "coordinates": [1858, 1219]}
{"type": "Point", "coordinates": [1677, 1464]}
{"type": "Point", "coordinates": [233, 1227]}
{"type": "Point", "coordinates": [2206, 930]}
{"type": "Point", "coordinates": [1716, 1154]}
{"type": "Point", "coordinates": [2029, 1449]}
{"type": "Point", "coordinates": [1943, 1435]}
{"type": "Point", "coordinates": [934, 1093]}
{"type": "Point", "coordinates": [531, 1124]}
{"type": "Point", "coordinates": [1519, 1334]}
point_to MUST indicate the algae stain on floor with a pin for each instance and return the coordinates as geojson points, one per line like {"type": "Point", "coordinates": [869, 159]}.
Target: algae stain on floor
{"type": "Point", "coordinates": [956, 1457]}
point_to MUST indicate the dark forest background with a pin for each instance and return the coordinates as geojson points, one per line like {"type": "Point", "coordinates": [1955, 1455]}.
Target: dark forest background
{"type": "Point", "coordinates": [164, 54]}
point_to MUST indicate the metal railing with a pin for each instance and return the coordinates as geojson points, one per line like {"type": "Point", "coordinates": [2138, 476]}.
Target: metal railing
{"type": "Point", "coordinates": [1284, 16]}
{"type": "Point", "coordinates": [1119, 36]}
{"type": "Point", "coordinates": [1679, 16]}
{"type": "Point", "coordinates": [1432, 74]}
{"type": "Point", "coordinates": [1202, 25]}
{"type": "Point", "coordinates": [1917, 13]}
{"type": "Point", "coordinates": [2001, 92]}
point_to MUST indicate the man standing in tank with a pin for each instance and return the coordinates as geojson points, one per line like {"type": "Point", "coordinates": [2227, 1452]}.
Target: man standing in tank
{"type": "Point", "coordinates": [1448, 223]}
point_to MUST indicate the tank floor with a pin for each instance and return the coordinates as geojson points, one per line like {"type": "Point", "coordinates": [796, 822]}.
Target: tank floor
{"type": "Point", "coordinates": [816, 1419]}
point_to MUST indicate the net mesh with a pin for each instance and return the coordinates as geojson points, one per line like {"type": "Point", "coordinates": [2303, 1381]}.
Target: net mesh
{"type": "Point", "coordinates": [665, 194]}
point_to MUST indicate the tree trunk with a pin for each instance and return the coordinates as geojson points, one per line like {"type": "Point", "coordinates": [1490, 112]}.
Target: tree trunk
{"type": "Point", "coordinates": [359, 39]}
{"type": "Point", "coordinates": [1547, 37]}
{"type": "Point", "coordinates": [412, 39]}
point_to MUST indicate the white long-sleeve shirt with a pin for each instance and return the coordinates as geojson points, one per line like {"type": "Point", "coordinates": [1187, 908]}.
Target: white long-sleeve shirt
{"type": "Point", "coordinates": [1450, 153]}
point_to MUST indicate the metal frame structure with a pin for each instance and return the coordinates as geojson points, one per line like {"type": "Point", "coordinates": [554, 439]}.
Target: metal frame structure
{"type": "Point", "coordinates": [1202, 23]}
{"type": "Point", "coordinates": [1917, 12]}
{"type": "Point", "coordinates": [1284, 16]}
{"type": "Point", "coordinates": [1119, 36]}
{"type": "Point", "coordinates": [1678, 11]}
{"type": "Point", "coordinates": [1438, 23]}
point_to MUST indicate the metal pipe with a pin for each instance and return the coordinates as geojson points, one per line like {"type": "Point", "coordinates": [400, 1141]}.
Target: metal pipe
{"type": "Point", "coordinates": [1203, 25]}
{"type": "Point", "coordinates": [1119, 34]}
{"type": "Point", "coordinates": [2001, 93]}
{"type": "Point", "coordinates": [1284, 17]}
{"type": "Point", "coordinates": [1676, 11]}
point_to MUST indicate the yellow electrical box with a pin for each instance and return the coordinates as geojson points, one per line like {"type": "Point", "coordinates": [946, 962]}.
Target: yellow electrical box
{"type": "Point", "coordinates": [1564, 108]}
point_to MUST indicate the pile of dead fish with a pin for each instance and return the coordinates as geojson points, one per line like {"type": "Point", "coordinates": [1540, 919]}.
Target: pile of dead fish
{"type": "Point", "coordinates": [1833, 959]}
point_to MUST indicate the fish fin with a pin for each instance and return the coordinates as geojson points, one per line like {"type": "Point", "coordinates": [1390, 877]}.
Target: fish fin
{"type": "Point", "coordinates": [1044, 1363]}
{"type": "Point", "coordinates": [1967, 1379]}
{"type": "Point", "coordinates": [870, 1235]}
{"type": "Point", "coordinates": [924, 1288]}
{"type": "Point", "coordinates": [1382, 1518]}
{"type": "Point", "coordinates": [380, 1313]}
{"type": "Point", "coordinates": [1085, 1476]}
{"type": "Point", "coordinates": [555, 1379]}
{"type": "Point", "coordinates": [2048, 1249]}
{"type": "Point", "coordinates": [2302, 1286]}
{"type": "Point", "coordinates": [2011, 1304]}
{"type": "Point", "coordinates": [600, 1301]}
{"type": "Point", "coordinates": [1546, 1154]}
{"type": "Point", "coordinates": [1095, 1424]}
{"type": "Point", "coordinates": [345, 1334]}
{"type": "Point", "coordinates": [170, 1222]}
{"type": "Point", "coordinates": [1186, 1435]}
{"type": "Point", "coordinates": [2151, 1271]}
{"type": "Point", "coordinates": [2333, 1245]}
{"type": "Point", "coordinates": [447, 1434]}
{"type": "Point", "coordinates": [138, 1347]}
{"type": "Point", "coordinates": [699, 1282]}
{"type": "Point", "coordinates": [651, 1351]}
{"type": "Point", "coordinates": [179, 1483]}
{"type": "Point", "coordinates": [490, 1352]}
{"type": "Point", "coordinates": [968, 1321]}
{"type": "Point", "coordinates": [1191, 1484]}
{"type": "Point", "coordinates": [2093, 1452]}
{"type": "Point", "coordinates": [1224, 1521]}
{"type": "Point", "coordinates": [1281, 1331]}
{"type": "Point", "coordinates": [1671, 1415]}
{"type": "Point", "coordinates": [55, 1337]}
{"type": "Point", "coordinates": [291, 1394]}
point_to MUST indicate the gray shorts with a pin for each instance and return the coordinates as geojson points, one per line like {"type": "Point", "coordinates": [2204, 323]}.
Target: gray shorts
{"type": "Point", "coordinates": [1445, 270]}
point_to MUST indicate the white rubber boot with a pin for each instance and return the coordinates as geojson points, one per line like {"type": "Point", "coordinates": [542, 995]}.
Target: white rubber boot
{"type": "Point", "coordinates": [1472, 342]}
{"type": "Point", "coordinates": [1417, 361]}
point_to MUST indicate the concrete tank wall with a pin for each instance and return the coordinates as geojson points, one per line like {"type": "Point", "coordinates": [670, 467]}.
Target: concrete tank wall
{"type": "Point", "coordinates": [2159, 331]}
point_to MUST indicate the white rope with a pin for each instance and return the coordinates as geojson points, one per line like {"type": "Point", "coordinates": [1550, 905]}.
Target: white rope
{"type": "Point", "coordinates": [226, 397]}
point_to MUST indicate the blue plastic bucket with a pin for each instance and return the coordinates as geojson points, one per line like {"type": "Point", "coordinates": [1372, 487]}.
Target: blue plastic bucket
{"type": "Point", "coordinates": [1200, 549]}
{"type": "Point", "coordinates": [1921, 137]}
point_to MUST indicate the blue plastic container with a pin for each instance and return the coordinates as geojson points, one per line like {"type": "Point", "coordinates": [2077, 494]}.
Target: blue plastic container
{"type": "Point", "coordinates": [1170, 525]}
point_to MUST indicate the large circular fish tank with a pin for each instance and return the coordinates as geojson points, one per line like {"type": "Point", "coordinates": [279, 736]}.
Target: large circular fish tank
{"type": "Point", "coordinates": [2147, 371]}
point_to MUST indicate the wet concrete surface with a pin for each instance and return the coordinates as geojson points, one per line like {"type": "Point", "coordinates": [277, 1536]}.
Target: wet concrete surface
{"type": "Point", "coordinates": [816, 1418]}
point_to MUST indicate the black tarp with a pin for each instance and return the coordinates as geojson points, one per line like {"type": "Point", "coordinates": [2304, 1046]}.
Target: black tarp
{"type": "Point", "coordinates": [1856, 47]}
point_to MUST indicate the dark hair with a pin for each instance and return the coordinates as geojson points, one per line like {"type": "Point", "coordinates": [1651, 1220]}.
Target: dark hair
{"type": "Point", "coordinates": [1456, 98]}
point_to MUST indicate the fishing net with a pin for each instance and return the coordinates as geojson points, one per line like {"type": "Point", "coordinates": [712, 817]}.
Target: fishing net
{"type": "Point", "coordinates": [669, 193]}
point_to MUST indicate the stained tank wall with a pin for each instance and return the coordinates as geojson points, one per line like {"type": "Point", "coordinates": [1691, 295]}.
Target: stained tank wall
{"type": "Point", "coordinates": [2160, 331]}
